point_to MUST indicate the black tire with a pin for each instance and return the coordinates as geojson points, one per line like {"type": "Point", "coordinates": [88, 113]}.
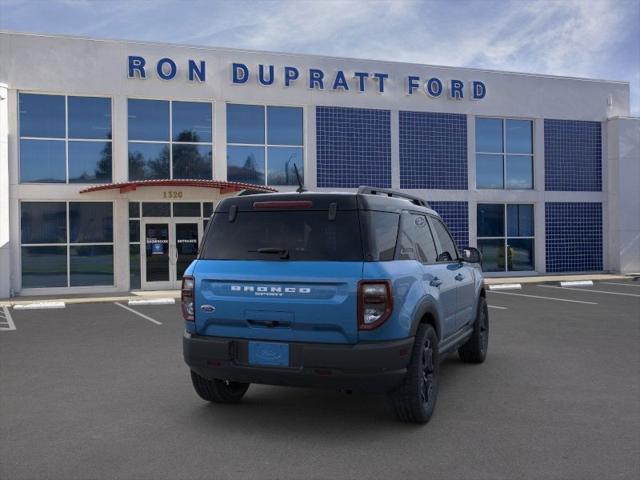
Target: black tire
{"type": "Point", "coordinates": [218, 391]}
{"type": "Point", "coordinates": [415, 399]}
{"type": "Point", "coordinates": [475, 349]}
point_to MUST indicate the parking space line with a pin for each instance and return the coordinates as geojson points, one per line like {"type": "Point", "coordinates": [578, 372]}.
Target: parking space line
{"type": "Point", "coordinates": [546, 298]}
{"type": "Point", "coordinates": [8, 324]}
{"type": "Point", "coordinates": [591, 290]}
{"type": "Point", "coordinates": [138, 313]}
{"type": "Point", "coordinates": [621, 284]}
{"type": "Point", "coordinates": [497, 307]}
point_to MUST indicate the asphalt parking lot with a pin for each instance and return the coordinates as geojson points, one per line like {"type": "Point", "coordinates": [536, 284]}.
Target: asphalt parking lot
{"type": "Point", "coordinates": [98, 391]}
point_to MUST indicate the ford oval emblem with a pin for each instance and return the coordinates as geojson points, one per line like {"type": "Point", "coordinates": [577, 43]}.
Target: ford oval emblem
{"type": "Point", "coordinates": [208, 308]}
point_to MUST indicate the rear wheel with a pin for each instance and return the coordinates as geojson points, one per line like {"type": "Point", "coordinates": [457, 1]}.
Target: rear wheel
{"type": "Point", "coordinates": [475, 349]}
{"type": "Point", "coordinates": [415, 399]}
{"type": "Point", "coordinates": [218, 391]}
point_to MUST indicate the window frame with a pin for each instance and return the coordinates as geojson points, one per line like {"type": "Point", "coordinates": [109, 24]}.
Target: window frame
{"type": "Point", "coordinates": [504, 154]}
{"type": "Point", "coordinates": [436, 239]}
{"type": "Point", "coordinates": [170, 142]}
{"type": "Point", "coordinates": [506, 236]}
{"type": "Point", "coordinates": [67, 244]}
{"type": "Point", "coordinates": [66, 139]}
{"type": "Point", "coordinates": [266, 145]}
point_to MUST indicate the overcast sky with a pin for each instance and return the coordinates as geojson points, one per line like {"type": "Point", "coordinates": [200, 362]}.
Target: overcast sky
{"type": "Point", "coordinates": [583, 38]}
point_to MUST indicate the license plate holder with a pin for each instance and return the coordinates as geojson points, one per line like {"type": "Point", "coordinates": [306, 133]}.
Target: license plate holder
{"type": "Point", "coordinates": [269, 354]}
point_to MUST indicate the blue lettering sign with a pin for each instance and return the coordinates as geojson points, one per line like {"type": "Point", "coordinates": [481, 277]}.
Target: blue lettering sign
{"type": "Point", "coordinates": [412, 84]}
{"type": "Point", "coordinates": [362, 77]}
{"type": "Point", "coordinates": [290, 74]}
{"type": "Point", "coordinates": [479, 90]}
{"type": "Point", "coordinates": [340, 81]}
{"type": "Point", "coordinates": [433, 87]}
{"type": "Point", "coordinates": [380, 77]}
{"type": "Point", "coordinates": [240, 73]}
{"type": "Point", "coordinates": [196, 72]}
{"type": "Point", "coordinates": [136, 64]}
{"type": "Point", "coordinates": [316, 77]}
{"type": "Point", "coordinates": [455, 90]}
{"type": "Point", "coordinates": [261, 79]}
{"type": "Point", "coordinates": [161, 70]}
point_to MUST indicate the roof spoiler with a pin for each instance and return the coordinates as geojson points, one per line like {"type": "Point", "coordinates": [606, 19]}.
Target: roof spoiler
{"type": "Point", "coordinates": [394, 194]}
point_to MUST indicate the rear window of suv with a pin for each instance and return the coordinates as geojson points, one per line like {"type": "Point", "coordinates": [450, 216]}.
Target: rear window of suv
{"type": "Point", "coordinates": [294, 235]}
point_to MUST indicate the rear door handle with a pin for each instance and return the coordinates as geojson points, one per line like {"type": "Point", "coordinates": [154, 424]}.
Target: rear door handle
{"type": "Point", "coordinates": [459, 277]}
{"type": "Point", "coordinates": [436, 282]}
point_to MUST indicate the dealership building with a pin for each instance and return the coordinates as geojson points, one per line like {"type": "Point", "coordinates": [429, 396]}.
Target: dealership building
{"type": "Point", "coordinates": [113, 155]}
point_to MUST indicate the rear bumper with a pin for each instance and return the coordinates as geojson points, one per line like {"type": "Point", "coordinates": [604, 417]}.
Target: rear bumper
{"type": "Point", "coordinates": [372, 367]}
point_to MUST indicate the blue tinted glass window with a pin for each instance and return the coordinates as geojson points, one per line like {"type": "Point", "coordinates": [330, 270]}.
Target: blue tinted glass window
{"type": "Point", "coordinates": [245, 164]}
{"type": "Point", "coordinates": [156, 209]}
{"type": "Point", "coordinates": [42, 161]}
{"type": "Point", "coordinates": [89, 162]}
{"type": "Point", "coordinates": [245, 124]}
{"type": "Point", "coordinates": [284, 126]}
{"type": "Point", "coordinates": [281, 161]}
{"type": "Point", "coordinates": [520, 171]}
{"type": "Point", "coordinates": [490, 220]}
{"type": "Point", "coordinates": [44, 267]}
{"type": "Point", "coordinates": [191, 121]}
{"type": "Point", "coordinates": [134, 230]}
{"type": "Point", "coordinates": [207, 209]}
{"type": "Point", "coordinates": [520, 220]}
{"type": "Point", "coordinates": [186, 209]}
{"type": "Point", "coordinates": [148, 161]}
{"type": "Point", "coordinates": [192, 161]}
{"type": "Point", "coordinates": [493, 254]}
{"type": "Point", "coordinates": [134, 266]}
{"type": "Point", "coordinates": [90, 222]}
{"type": "Point", "coordinates": [489, 171]}
{"type": "Point", "coordinates": [489, 135]}
{"type": "Point", "coordinates": [89, 117]}
{"type": "Point", "coordinates": [520, 254]}
{"type": "Point", "coordinates": [134, 210]}
{"type": "Point", "coordinates": [41, 115]}
{"type": "Point", "coordinates": [519, 136]}
{"type": "Point", "coordinates": [91, 265]}
{"type": "Point", "coordinates": [148, 120]}
{"type": "Point", "coordinates": [43, 222]}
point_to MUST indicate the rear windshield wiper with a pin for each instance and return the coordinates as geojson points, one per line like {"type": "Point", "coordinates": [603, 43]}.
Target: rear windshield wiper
{"type": "Point", "coordinates": [283, 252]}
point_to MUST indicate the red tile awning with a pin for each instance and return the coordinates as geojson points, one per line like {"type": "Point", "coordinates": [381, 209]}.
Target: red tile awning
{"type": "Point", "coordinates": [224, 187]}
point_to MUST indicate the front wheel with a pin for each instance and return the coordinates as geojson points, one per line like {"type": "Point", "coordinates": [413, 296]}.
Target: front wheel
{"type": "Point", "coordinates": [474, 350]}
{"type": "Point", "coordinates": [415, 399]}
{"type": "Point", "coordinates": [218, 391]}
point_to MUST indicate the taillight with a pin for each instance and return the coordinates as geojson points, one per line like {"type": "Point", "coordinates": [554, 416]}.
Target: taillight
{"type": "Point", "coordinates": [375, 303]}
{"type": "Point", "coordinates": [187, 298]}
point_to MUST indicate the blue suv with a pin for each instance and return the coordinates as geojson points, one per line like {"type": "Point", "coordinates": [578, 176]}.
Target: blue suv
{"type": "Point", "coordinates": [353, 291]}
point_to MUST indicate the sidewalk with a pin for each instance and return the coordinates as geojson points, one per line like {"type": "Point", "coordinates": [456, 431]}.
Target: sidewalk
{"type": "Point", "coordinates": [175, 294]}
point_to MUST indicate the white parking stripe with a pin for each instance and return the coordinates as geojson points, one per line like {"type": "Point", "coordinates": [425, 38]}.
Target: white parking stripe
{"type": "Point", "coordinates": [152, 301]}
{"type": "Point", "coordinates": [138, 313]}
{"type": "Point", "coordinates": [591, 290]}
{"type": "Point", "coordinates": [545, 298]}
{"type": "Point", "coordinates": [8, 321]}
{"type": "Point", "coordinates": [622, 284]}
{"type": "Point", "coordinates": [497, 307]}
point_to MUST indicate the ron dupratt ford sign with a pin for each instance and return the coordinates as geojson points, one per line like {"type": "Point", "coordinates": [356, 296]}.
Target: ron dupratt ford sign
{"type": "Point", "coordinates": [314, 78]}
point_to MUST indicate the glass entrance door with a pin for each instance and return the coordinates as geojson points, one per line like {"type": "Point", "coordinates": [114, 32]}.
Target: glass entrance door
{"type": "Point", "coordinates": [187, 238]}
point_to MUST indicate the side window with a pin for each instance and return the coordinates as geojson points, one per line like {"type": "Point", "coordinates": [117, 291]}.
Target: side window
{"type": "Point", "coordinates": [447, 251]}
{"type": "Point", "coordinates": [416, 242]}
{"type": "Point", "coordinates": [380, 233]}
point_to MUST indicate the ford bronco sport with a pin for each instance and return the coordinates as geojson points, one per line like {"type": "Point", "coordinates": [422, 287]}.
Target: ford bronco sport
{"type": "Point", "coordinates": [354, 291]}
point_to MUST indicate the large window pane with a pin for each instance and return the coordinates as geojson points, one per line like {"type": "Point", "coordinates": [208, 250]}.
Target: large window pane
{"type": "Point", "coordinates": [186, 209]}
{"type": "Point", "coordinates": [191, 122]}
{"type": "Point", "coordinates": [90, 222]}
{"type": "Point", "coordinates": [192, 161]}
{"type": "Point", "coordinates": [89, 162]}
{"type": "Point", "coordinates": [91, 265]}
{"type": "Point", "coordinates": [245, 124]}
{"type": "Point", "coordinates": [245, 164]}
{"type": "Point", "coordinates": [284, 126]}
{"type": "Point", "coordinates": [44, 267]}
{"type": "Point", "coordinates": [156, 209]}
{"type": "Point", "coordinates": [520, 220]}
{"type": "Point", "coordinates": [41, 116]}
{"type": "Point", "coordinates": [281, 161]}
{"type": "Point", "coordinates": [492, 255]}
{"type": "Point", "coordinates": [489, 135]}
{"type": "Point", "coordinates": [520, 254]}
{"type": "Point", "coordinates": [489, 171]}
{"type": "Point", "coordinates": [519, 135]}
{"type": "Point", "coordinates": [490, 220]}
{"type": "Point", "coordinates": [42, 161]}
{"type": "Point", "coordinates": [148, 120]}
{"type": "Point", "coordinates": [148, 161]}
{"type": "Point", "coordinates": [89, 117]}
{"type": "Point", "coordinates": [43, 222]}
{"type": "Point", "coordinates": [519, 171]}
{"type": "Point", "coordinates": [134, 266]}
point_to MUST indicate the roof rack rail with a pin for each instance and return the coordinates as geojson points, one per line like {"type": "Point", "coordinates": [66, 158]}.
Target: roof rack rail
{"type": "Point", "coordinates": [393, 193]}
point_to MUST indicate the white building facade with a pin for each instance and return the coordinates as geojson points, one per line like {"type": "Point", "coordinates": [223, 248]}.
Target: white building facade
{"type": "Point", "coordinates": [113, 155]}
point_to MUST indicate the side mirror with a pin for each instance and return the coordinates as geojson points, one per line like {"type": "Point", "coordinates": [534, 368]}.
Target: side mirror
{"type": "Point", "coordinates": [471, 255]}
